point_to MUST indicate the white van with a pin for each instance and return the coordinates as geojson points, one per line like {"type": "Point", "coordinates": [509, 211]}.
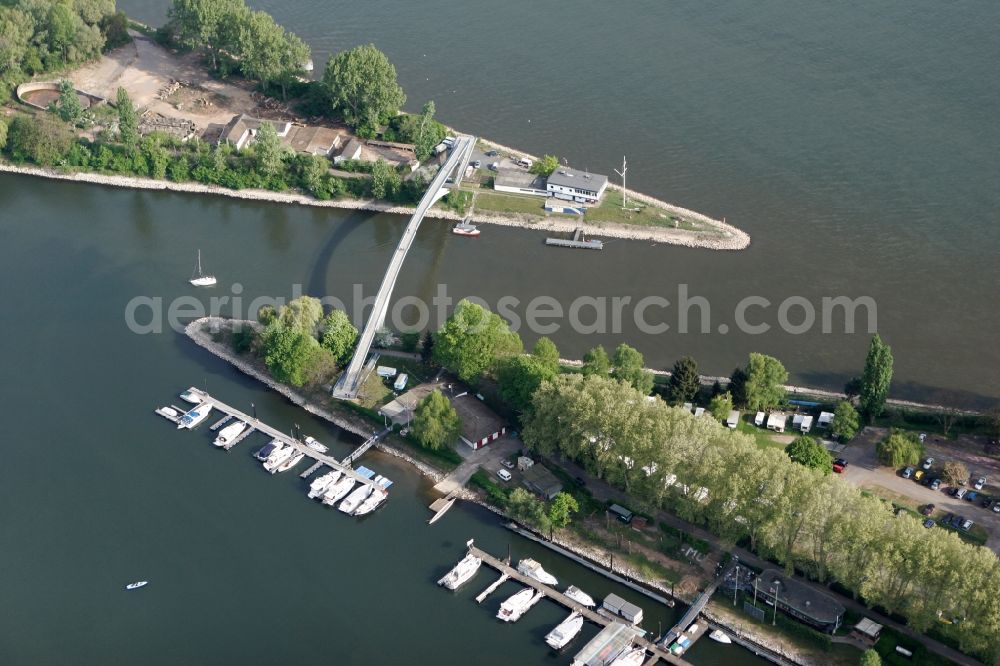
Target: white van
{"type": "Point", "coordinates": [524, 162]}
{"type": "Point", "coordinates": [504, 475]}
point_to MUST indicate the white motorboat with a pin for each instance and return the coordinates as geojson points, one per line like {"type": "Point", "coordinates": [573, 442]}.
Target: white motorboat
{"type": "Point", "coordinates": [462, 572]}
{"type": "Point", "coordinates": [279, 455]}
{"type": "Point", "coordinates": [633, 657]}
{"type": "Point", "coordinates": [291, 461]}
{"type": "Point", "coordinates": [199, 279]}
{"type": "Point", "coordinates": [567, 630]}
{"type": "Point", "coordinates": [465, 229]}
{"type": "Point", "coordinates": [265, 451]}
{"type": "Point", "coordinates": [314, 445]}
{"type": "Point", "coordinates": [137, 584]}
{"type": "Point", "coordinates": [167, 412]}
{"type": "Point", "coordinates": [192, 395]}
{"type": "Point", "coordinates": [513, 608]}
{"type": "Point", "coordinates": [530, 567]}
{"type": "Point", "coordinates": [229, 433]}
{"type": "Point", "coordinates": [373, 501]}
{"type": "Point", "coordinates": [579, 596]}
{"type": "Point", "coordinates": [720, 636]}
{"type": "Point", "coordinates": [194, 416]}
{"type": "Point", "coordinates": [320, 484]}
{"type": "Point", "coordinates": [354, 500]}
{"type": "Point", "coordinates": [339, 490]}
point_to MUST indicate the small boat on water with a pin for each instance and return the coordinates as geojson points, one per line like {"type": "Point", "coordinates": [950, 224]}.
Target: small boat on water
{"type": "Point", "coordinates": [265, 451]}
{"type": "Point", "coordinates": [579, 596]}
{"type": "Point", "coordinates": [195, 416]}
{"type": "Point", "coordinates": [567, 630]}
{"type": "Point", "coordinates": [199, 279]}
{"type": "Point", "coordinates": [530, 567]}
{"type": "Point", "coordinates": [632, 657]}
{"type": "Point", "coordinates": [291, 461]}
{"type": "Point", "coordinates": [229, 433]}
{"type": "Point", "coordinates": [137, 584]}
{"type": "Point", "coordinates": [513, 608]}
{"type": "Point", "coordinates": [320, 484]}
{"type": "Point", "coordinates": [354, 500]}
{"type": "Point", "coordinates": [373, 501]}
{"type": "Point", "coordinates": [192, 395]}
{"type": "Point", "coordinates": [338, 490]}
{"type": "Point", "coordinates": [462, 572]}
{"type": "Point", "coordinates": [720, 636]}
{"type": "Point", "coordinates": [465, 229]}
{"type": "Point", "coordinates": [314, 445]}
{"type": "Point", "coordinates": [280, 454]}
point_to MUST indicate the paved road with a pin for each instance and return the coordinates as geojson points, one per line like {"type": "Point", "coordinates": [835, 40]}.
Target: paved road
{"type": "Point", "coordinates": [865, 470]}
{"type": "Point", "coordinates": [603, 491]}
{"type": "Point", "coordinates": [488, 458]}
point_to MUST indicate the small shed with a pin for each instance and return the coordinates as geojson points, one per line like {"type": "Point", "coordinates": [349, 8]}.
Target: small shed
{"type": "Point", "coordinates": [825, 419]}
{"type": "Point", "coordinates": [541, 481]}
{"type": "Point", "coordinates": [807, 424]}
{"type": "Point", "coordinates": [733, 419]}
{"type": "Point", "coordinates": [385, 371]}
{"type": "Point", "coordinates": [759, 419]}
{"type": "Point", "coordinates": [617, 606]}
{"type": "Point", "coordinates": [524, 462]}
{"type": "Point", "coordinates": [776, 421]}
{"type": "Point", "coordinates": [867, 630]}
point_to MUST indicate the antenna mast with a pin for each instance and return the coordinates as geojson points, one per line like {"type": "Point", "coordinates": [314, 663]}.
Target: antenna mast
{"type": "Point", "coordinates": [622, 174]}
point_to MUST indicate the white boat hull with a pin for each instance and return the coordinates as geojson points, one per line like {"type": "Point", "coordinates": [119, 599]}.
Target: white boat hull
{"type": "Point", "coordinates": [204, 281]}
{"type": "Point", "coordinates": [200, 413]}
{"type": "Point", "coordinates": [373, 501]}
{"type": "Point", "coordinates": [461, 573]}
{"type": "Point", "coordinates": [229, 433]}
{"type": "Point", "coordinates": [354, 500]}
{"type": "Point", "coordinates": [338, 491]}
{"type": "Point", "coordinates": [567, 630]}
{"type": "Point", "coordinates": [514, 607]}
{"type": "Point", "coordinates": [719, 636]}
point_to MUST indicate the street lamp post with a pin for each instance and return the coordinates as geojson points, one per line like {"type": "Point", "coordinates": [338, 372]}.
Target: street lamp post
{"type": "Point", "coordinates": [774, 618]}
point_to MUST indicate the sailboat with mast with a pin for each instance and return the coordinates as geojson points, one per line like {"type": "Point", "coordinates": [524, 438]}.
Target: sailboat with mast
{"type": "Point", "coordinates": [200, 279]}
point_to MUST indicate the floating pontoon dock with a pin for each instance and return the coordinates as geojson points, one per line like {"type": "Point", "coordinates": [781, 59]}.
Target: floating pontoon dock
{"type": "Point", "coordinates": [579, 240]}
{"type": "Point", "coordinates": [636, 635]}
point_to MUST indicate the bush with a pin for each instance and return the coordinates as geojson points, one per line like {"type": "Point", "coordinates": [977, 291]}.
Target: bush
{"type": "Point", "coordinates": [43, 139]}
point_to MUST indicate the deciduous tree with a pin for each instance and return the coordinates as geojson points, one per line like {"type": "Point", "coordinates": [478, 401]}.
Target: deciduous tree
{"type": "Point", "coordinates": [899, 449]}
{"type": "Point", "coordinates": [765, 379]}
{"type": "Point", "coordinates": [128, 119]}
{"type": "Point", "coordinates": [629, 366]}
{"type": "Point", "coordinates": [721, 405]}
{"type": "Point", "coordinates": [519, 377]}
{"type": "Point", "coordinates": [472, 340]}
{"type": "Point", "coordinates": [362, 85]}
{"type": "Point", "coordinates": [69, 107]}
{"type": "Point", "coordinates": [561, 510]}
{"type": "Point", "coordinates": [955, 472]}
{"type": "Point", "coordinates": [845, 422]}
{"type": "Point", "coordinates": [546, 165]}
{"type": "Point", "coordinates": [339, 334]}
{"type": "Point", "coordinates": [268, 151]}
{"type": "Point", "coordinates": [596, 362]}
{"type": "Point", "coordinates": [435, 421]}
{"type": "Point", "coordinates": [807, 451]}
{"type": "Point", "coordinates": [546, 351]}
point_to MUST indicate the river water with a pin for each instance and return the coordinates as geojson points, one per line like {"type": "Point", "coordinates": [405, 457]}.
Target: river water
{"type": "Point", "coordinates": [853, 142]}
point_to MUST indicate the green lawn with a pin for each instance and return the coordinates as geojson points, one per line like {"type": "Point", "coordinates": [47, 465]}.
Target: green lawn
{"type": "Point", "coordinates": [610, 210]}
{"type": "Point", "coordinates": [763, 437]}
{"type": "Point", "coordinates": [510, 203]}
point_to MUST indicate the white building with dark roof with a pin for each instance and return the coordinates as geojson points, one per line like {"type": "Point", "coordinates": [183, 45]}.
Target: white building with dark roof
{"type": "Point", "coordinates": [574, 185]}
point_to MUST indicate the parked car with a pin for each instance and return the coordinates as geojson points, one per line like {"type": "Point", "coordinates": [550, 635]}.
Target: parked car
{"type": "Point", "coordinates": [908, 472]}
{"type": "Point", "coordinates": [980, 482]}
{"type": "Point", "coordinates": [971, 496]}
{"type": "Point", "coordinates": [492, 153]}
{"type": "Point", "coordinates": [504, 475]}
{"type": "Point", "coordinates": [948, 517]}
{"type": "Point", "coordinates": [839, 464]}
{"type": "Point", "coordinates": [996, 506]}
{"type": "Point", "coordinates": [928, 523]}
{"type": "Point", "coordinates": [927, 509]}
{"type": "Point", "coordinates": [957, 521]}
{"type": "Point", "coordinates": [477, 164]}
{"type": "Point", "coordinates": [966, 525]}
{"type": "Point", "coordinates": [960, 493]}
{"type": "Point", "coordinates": [935, 484]}
{"type": "Point", "coordinates": [507, 463]}
{"type": "Point", "coordinates": [919, 474]}
{"type": "Point", "coordinates": [928, 463]}
{"type": "Point", "coordinates": [495, 166]}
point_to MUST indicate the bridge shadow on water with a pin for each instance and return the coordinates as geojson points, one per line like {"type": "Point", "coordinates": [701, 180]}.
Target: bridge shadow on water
{"type": "Point", "coordinates": [316, 283]}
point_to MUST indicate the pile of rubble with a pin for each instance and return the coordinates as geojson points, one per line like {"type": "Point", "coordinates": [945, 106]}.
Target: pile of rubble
{"type": "Point", "coordinates": [182, 128]}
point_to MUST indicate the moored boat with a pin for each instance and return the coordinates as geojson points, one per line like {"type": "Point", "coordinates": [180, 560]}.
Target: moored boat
{"type": "Point", "coordinates": [513, 608]}
{"type": "Point", "coordinates": [338, 490]}
{"type": "Point", "coordinates": [167, 412]}
{"type": "Point", "coordinates": [192, 395]}
{"type": "Point", "coordinates": [137, 584]}
{"type": "Point", "coordinates": [199, 279]}
{"type": "Point", "coordinates": [291, 461]}
{"type": "Point", "coordinates": [579, 596]}
{"type": "Point", "coordinates": [321, 483]}
{"type": "Point", "coordinates": [194, 416]}
{"type": "Point", "coordinates": [567, 630]}
{"type": "Point", "coordinates": [315, 445]}
{"type": "Point", "coordinates": [229, 433]}
{"type": "Point", "coordinates": [465, 229]}
{"type": "Point", "coordinates": [530, 567]}
{"type": "Point", "coordinates": [354, 500]}
{"type": "Point", "coordinates": [462, 572]}
{"type": "Point", "coordinates": [265, 451]}
{"type": "Point", "coordinates": [280, 454]}
{"type": "Point", "coordinates": [720, 636]}
{"type": "Point", "coordinates": [373, 501]}
{"type": "Point", "coordinates": [632, 657]}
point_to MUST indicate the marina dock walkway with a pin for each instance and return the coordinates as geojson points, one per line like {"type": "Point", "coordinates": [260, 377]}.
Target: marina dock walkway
{"type": "Point", "coordinates": [563, 600]}
{"type": "Point", "coordinates": [694, 611]}
{"type": "Point", "coordinates": [285, 439]}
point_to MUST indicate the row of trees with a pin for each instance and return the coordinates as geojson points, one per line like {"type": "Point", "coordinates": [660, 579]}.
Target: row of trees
{"type": "Point", "coordinates": [235, 35]}
{"type": "Point", "coordinates": [43, 35]}
{"type": "Point", "coordinates": [800, 516]}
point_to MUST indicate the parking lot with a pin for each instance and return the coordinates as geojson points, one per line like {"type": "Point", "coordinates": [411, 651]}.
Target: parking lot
{"type": "Point", "coordinates": [865, 471]}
